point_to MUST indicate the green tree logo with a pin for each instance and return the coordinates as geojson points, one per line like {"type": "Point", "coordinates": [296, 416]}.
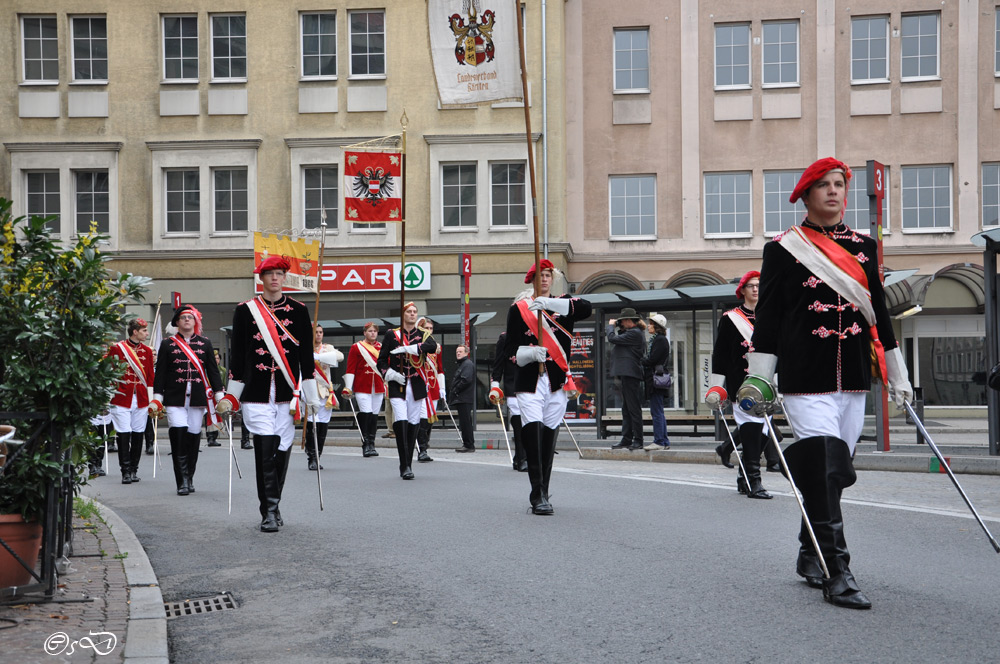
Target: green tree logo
{"type": "Point", "coordinates": [412, 275]}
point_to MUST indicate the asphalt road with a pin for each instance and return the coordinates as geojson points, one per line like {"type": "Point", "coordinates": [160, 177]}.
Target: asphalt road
{"type": "Point", "coordinates": [642, 562]}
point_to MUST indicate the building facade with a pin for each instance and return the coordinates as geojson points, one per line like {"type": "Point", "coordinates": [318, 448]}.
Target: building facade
{"type": "Point", "coordinates": [689, 123]}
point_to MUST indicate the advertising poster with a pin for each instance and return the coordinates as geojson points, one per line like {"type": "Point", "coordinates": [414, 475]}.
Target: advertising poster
{"type": "Point", "coordinates": [581, 366]}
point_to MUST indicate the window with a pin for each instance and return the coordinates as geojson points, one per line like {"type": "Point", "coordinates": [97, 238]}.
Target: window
{"type": "Point", "coordinates": [367, 43]}
{"type": "Point", "coordinates": [230, 195]}
{"type": "Point", "coordinates": [633, 205]}
{"type": "Point", "coordinates": [40, 49]}
{"type": "Point", "coordinates": [508, 198]}
{"type": "Point", "coordinates": [919, 46]}
{"type": "Point", "coordinates": [632, 60]}
{"type": "Point", "coordinates": [319, 45]}
{"type": "Point", "coordinates": [870, 49]}
{"type": "Point", "coordinates": [991, 195]}
{"type": "Point", "coordinates": [926, 198]}
{"type": "Point", "coordinates": [90, 48]}
{"type": "Point", "coordinates": [43, 196]}
{"type": "Point", "coordinates": [458, 195]}
{"type": "Point", "coordinates": [727, 204]}
{"type": "Point", "coordinates": [92, 201]}
{"type": "Point", "coordinates": [781, 53]}
{"type": "Point", "coordinates": [857, 216]}
{"type": "Point", "coordinates": [180, 48]}
{"type": "Point", "coordinates": [779, 214]}
{"type": "Point", "coordinates": [229, 47]}
{"type": "Point", "coordinates": [183, 201]}
{"type": "Point", "coordinates": [732, 56]}
{"type": "Point", "coordinates": [319, 193]}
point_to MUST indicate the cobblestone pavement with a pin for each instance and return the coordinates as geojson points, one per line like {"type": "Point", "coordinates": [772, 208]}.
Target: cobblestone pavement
{"type": "Point", "coordinates": [96, 575]}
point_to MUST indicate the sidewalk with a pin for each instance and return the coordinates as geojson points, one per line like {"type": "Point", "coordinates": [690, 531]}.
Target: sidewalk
{"type": "Point", "coordinates": [107, 607]}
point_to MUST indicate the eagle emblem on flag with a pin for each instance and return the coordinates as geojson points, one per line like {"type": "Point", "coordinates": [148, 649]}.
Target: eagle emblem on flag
{"type": "Point", "coordinates": [373, 185]}
{"type": "Point", "coordinates": [474, 42]}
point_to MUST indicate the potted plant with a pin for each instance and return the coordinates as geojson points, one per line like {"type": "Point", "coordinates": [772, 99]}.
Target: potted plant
{"type": "Point", "coordinates": [61, 310]}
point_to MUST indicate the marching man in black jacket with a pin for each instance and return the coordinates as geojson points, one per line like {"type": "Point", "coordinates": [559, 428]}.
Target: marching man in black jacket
{"type": "Point", "coordinates": [822, 313]}
{"type": "Point", "coordinates": [188, 384]}
{"type": "Point", "coordinates": [272, 353]}
{"type": "Point", "coordinates": [543, 376]}
{"type": "Point", "coordinates": [403, 363]}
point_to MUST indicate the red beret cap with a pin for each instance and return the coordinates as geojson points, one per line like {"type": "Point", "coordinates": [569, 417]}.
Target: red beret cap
{"type": "Point", "coordinates": [546, 265]}
{"type": "Point", "coordinates": [272, 263]}
{"type": "Point", "coordinates": [752, 274]}
{"type": "Point", "coordinates": [818, 169]}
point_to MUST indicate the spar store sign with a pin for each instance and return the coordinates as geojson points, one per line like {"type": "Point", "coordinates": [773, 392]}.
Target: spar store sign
{"type": "Point", "coordinates": [351, 277]}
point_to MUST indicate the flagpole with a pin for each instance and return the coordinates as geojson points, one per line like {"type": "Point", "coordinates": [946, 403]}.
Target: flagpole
{"type": "Point", "coordinates": [403, 121]}
{"type": "Point", "coordinates": [531, 166]}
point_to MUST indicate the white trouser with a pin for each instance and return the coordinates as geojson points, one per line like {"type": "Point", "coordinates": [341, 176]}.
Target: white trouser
{"type": "Point", "coordinates": [369, 403]}
{"type": "Point", "coordinates": [321, 415]}
{"type": "Point", "coordinates": [129, 419]}
{"type": "Point", "coordinates": [513, 406]}
{"type": "Point", "coordinates": [186, 417]}
{"type": "Point", "coordinates": [742, 417]}
{"type": "Point", "coordinates": [270, 419]}
{"type": "Point", "coordinates": [839, 415]}
{"type": "Point", "coordinates": [543, 406]}
{"type": "Point", "coordinates": [409, 409]}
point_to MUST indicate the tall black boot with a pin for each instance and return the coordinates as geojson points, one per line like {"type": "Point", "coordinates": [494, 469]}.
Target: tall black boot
{"type": "Point", "coordinates": [192, 448]}
{"type": "Point", "coordinates": [245, 437]}
{"type": "Point", "coordinates": [531, 437]}
{"type": "Point", "coordinates": [136, 453]}
{"type": "Point", "coordinates": [178, 454]}
{"type": "Point", "coordinates": [424, 440]}
{"type": "Point", "coordinates": [321, 429]}
{"type": "Point", "coordinates": [268, 494]}
{"type": "Point", "coordinates": [281, 463]}
{"type": "Point", "coordinates": [771, 454]}
{"type": "Point", "coordinates": [310, 450]}
{"type": "Point", "coordinates": [750, 437]}
{"type": "Point", "coordinates": [125, 455]}
{"type": "Point", "coordinates": [548, 452]}
{"type": "Point", "coordinates": [411, 443]}
{"type": "Point", "coordinates": [520, 458]}
{"type": "Point", "coordinates": [150, 434]}
{"type": "Point", "coordinates": [821, 468]}
{"type": "Point", "coordinates": [373, 419]}
{"type": "Point", "coordinates": [725, 452]}
{"type": "Point", "coordinates": [399, 428]}
{"type": "Point", "coordinates": [363, 427]}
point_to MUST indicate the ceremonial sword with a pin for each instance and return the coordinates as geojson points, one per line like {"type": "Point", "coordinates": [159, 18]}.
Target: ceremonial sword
{"type": "Point", "coordinates": [578, 450]}
{"type": "Point", "coordinates": [732, 441]}
{"type": "Point", "coordinates": [503, 427]}
{"type": "Point", "coordinates": [356, 422]}
{"type": "Point", "coordinates": [947, 468]}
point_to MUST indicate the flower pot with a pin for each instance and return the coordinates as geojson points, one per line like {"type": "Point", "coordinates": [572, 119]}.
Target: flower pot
{"type": "Point", "coordinates": [25, 538]}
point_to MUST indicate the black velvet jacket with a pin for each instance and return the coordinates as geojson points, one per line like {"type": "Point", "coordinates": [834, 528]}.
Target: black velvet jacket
{"type": "Point", "coordinates": [404, 363]}
{"type": "Point", "coordinates": [729, 356]}
{"type": "Point", "coordinates": [821, 339]}
{"type": "Point", "coordinates": [504, 369]}
{"type": "Point", "coordinates": [518, 335]}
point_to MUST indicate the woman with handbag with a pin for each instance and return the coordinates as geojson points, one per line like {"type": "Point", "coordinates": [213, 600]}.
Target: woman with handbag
{"type": "Point", "coordinates": [658, 379]}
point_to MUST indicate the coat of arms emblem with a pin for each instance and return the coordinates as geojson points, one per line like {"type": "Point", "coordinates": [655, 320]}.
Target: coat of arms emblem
{"type": "Point", "coordinates": [373, 184]}
{"type": "Point", "coordinates": [474, 42]}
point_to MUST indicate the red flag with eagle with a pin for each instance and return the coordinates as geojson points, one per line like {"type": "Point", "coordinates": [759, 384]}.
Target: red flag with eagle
{"type": "Point", "coordinates": [373, 187]}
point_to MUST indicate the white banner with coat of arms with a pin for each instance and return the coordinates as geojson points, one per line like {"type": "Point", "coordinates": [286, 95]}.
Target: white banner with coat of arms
{"type": "Point", "coordinates": [474, 50]}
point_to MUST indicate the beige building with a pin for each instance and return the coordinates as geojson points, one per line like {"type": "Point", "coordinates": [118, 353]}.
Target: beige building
{"type": "Point", "coordinates": [688, 124]}
{"type": "Point", "coordinates": [182, 127]}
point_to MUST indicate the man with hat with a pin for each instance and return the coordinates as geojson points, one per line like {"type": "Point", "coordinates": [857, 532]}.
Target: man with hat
{"type": "Point", "coordinates": [627, 345]}
{"type": "Point", "coordinates": [402, 360]}
{"type": "Point", "coordinates": [187, 387]}
{"type": "Point", "coordinates": [822, 313]}
{"type": "Point", "coordinates": [729, 369]}
{"type": "Point", "coordinates": [272, 353]}
{"type": "Point", "coordinates": [132, 397]}
{"type": "Point", "coordinates": [543, 377]}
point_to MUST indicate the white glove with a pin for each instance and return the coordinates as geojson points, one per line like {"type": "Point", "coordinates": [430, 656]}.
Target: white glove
{"type": "Point", "coordinates": [394, 376]}
{"type": "Point", "coordinates": [559, 305]}
{"type": "Point", "coordinates": [310, 393]}
{"type": "Point", "coordinates": [149, 393]}
{"type": "Point", "coordinates": [218, 396]}
{"type": "Point", "coordinates": [412, 349]}
{"type": "Point", "coordinates": [440, 378]}
{"type": "Point", "coordinates": [496, 394]}
{"type": "Point", "coordinates": [899, 378]}
{"type": "Point", "coordinates": [530, 355]}
{"type": "Point", "coordinates": [348, 390]}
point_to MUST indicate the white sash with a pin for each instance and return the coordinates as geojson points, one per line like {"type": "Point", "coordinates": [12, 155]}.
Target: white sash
{"type": "Point", "coordinates": [743, 326]}
{"type": "Point", "coordinates": [132, 359]}
{"type": "Point", "coordinates": [277, 351]}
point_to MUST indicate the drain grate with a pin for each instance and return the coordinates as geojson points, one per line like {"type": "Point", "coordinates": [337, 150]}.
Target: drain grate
{"type": "Point", "coordinates": [191, 607]}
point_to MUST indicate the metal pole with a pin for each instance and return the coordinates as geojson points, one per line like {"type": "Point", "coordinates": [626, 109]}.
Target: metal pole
{"type": "Point", "coordinates": [578, 450]}
{"type": "Point", "coordinates": [503, 427]}
{"type": "Point", "coordinates": [992, 345]}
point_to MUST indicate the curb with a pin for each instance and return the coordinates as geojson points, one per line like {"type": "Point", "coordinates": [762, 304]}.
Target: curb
{"type": "Point", "coordinates": [146, 634]}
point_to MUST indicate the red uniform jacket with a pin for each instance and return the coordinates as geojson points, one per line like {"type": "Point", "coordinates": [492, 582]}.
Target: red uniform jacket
{"type": "Point", "coordinates": [130, 383]}
{"type": "Point", "coordinates": [366, 379]}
